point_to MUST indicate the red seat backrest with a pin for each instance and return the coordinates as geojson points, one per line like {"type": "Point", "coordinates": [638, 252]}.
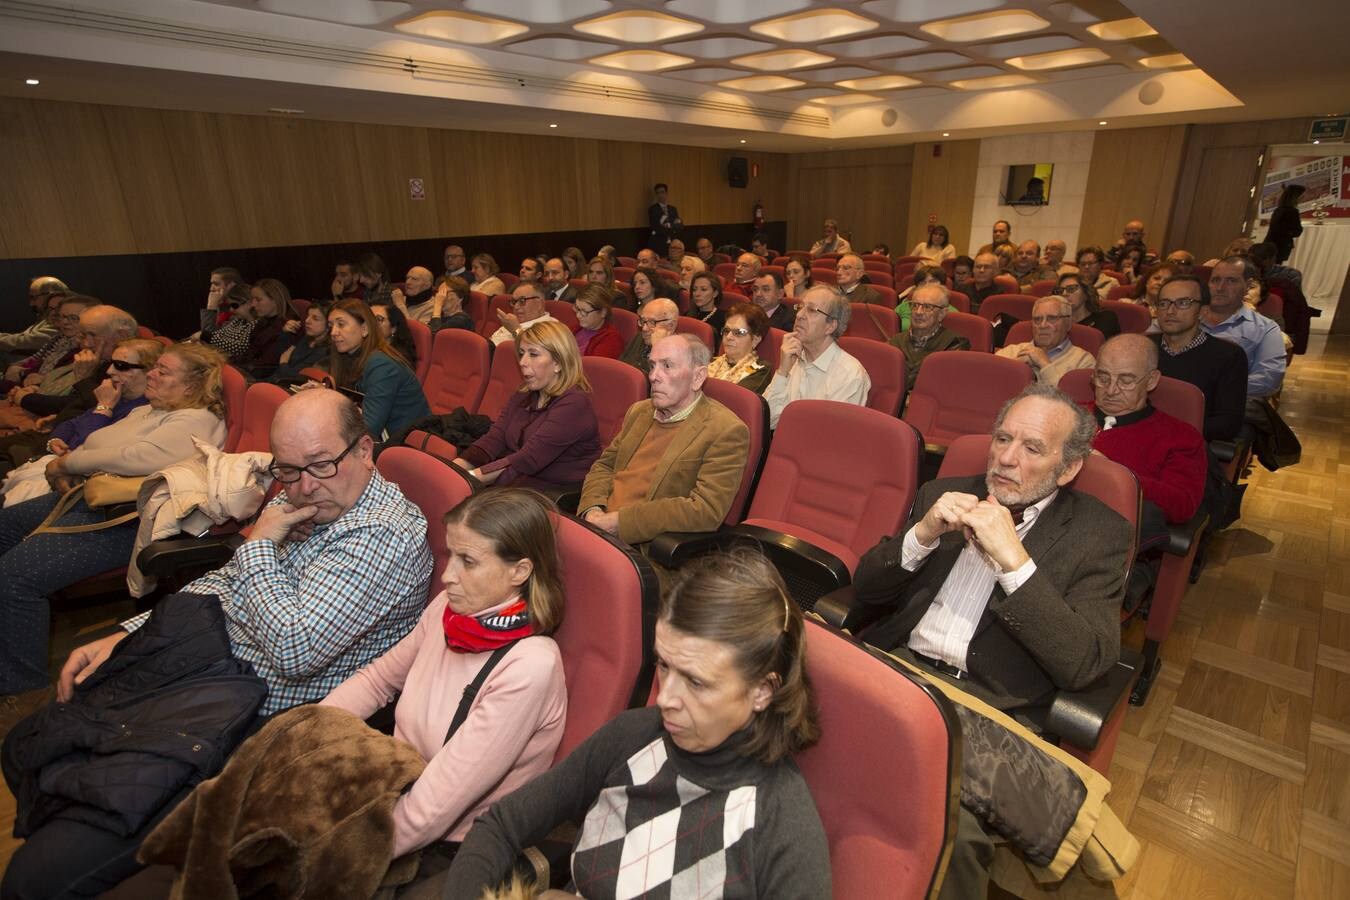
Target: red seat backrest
{"type": "Point", "coordinates": [868, 320]}
{"type": "Point", "coordinates": [564, 312]}
{"type": "Point", "coordinates": [624, 273]}
{"type": "Point", "coordinates": [976, 329]}
{"type": "Point", "coordinates": [1083, 336]}
{"type": "Point", "coordinates": [887, 294]}
{"type": "Point", "coordinates": [503, 381]}
{"type": "Point", "coordinates": [853, 505]}
{"type": "Point", "coordinates": [509, 279]}
{"type": "Point", "coordinates": [1177, 398]}
{"type": "Point", "coordinates": [875, 719]}
{"type": "Point", "coordinates": [1042, 288]}
{"type": "Point", "coordinates": [959, 300]}
{"type": "Point", "coordinates": [1119, 292]}
{"type": "Point", "coordinates": [950, 266]}
{"type": "Point", "coordinates": [1016, 305]}
{"type": "Point", "coordinates": [824, 276]}
{"type": "Point", "coordinates": [774, 269]}
{"type": "Point", "coordinates": [627, 262]}
{"type": "Point", "coordinates": [477, 306]}
{"type": "Point", "coordinates": [1135, 318]}
{"type": "Point", "coordinates": [909, 260]}
{"type": "Point", "coordinates": [607, 629]}
{"type": "Point", "coordinates": [1272, 307]}
{"type": "Point", "coordinates": [458, 372]}
{"type": "Point", "coordinates": [615, 386]}
{"type": "Point", "coordinates": [435, 487]}
{"type": "Point", "coordinates": [881, 279]}
{"type": "Point", "coordinates": [872, 263]}
{"type": "Point", "coordinates": [144, 332]}
{"type": "Point", "coordinates": [770, 348]}
{"type": "Point", "coordinates": [625, 322]}
{"type": "Point", "coordinates": [490, 323]}
{"type": "Point", "coordinates": [1007, 282]}
{"type": "Point", "coordinates": [233, 386]}
{"type": "Point", "coordinates": [697, 327]}
{"type": "Point", "coordinates": [260, 406]}
{"type": "Point", "coordinates": [960, 393]}
{"type": "Point", "coordinates": [885, 367]}
{"type": "Point", "coordinates": [751, 409]}
{"type": "Point", "coordinates": [725, 271]}
{"type": "Point", "coordinates": [421, 338]}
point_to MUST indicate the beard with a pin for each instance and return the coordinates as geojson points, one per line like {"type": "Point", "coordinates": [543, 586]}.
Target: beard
{"type": "Point", "coordinates": [1020, 494]}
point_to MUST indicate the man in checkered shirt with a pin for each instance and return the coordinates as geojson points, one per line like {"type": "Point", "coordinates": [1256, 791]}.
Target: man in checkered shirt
{"type": "Point", "coordinates": [335, 570]}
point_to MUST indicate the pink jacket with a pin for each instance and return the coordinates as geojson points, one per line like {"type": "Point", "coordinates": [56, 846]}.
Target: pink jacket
{"type": "Point", "coordinates": [511, 734]}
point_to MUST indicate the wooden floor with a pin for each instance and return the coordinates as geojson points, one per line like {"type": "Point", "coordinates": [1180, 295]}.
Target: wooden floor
{"type": "Point", "coordinates": [1236, 775]}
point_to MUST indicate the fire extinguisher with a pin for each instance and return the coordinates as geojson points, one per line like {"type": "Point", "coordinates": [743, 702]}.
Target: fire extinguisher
{"type": "Point", "coordinates": [758, 218]}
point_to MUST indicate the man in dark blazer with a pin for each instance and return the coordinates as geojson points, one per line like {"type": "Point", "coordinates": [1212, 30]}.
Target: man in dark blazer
{"type": "Point", "coordinates": [556, 283]}
{"type": "Point", "coordinates": [665, 222]}
{"type": "Point", "coordinates": [1009, 582]}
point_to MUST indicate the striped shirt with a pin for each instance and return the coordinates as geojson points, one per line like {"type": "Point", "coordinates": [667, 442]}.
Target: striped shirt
{"type": "Point", "coordinates": [946, 628]}
{"type": "Point", "coordinates": [309, 614]}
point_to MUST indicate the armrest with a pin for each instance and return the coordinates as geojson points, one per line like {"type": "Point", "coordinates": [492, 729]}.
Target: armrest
{"type": "Point", "coordinates": [1181, 537]}
{"type": "Point", "coordinates": [673, 549]}
{"type": "Point", "coordinates": [163, 558]}
{"type": "Point", "coordinates": [565, 497]}
{"type": "Point", "coordinates": [1223, 451]}
{"type": "Point", "coordinates": [1078, 717]}
{"type": "Point", "coordinates": [842, 609]}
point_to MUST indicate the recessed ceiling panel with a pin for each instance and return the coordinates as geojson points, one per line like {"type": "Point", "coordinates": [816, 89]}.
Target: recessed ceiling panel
{"type": "Point", "coordinates": [965, 72]}
{"type": "Point", "coordinates": [880, 83]}
{"type": "Point", "coordinates": [837, 73]}
{"type": "Point", "coordinates": [727, 12]}
{"type": "Point", "coordinates": [762, 83]}
{"type": "Point", "coordinates": [1087, 72]}
{"type": "Point", "coordinates": [719, 47]}
{"type": "Point", "coordinates": [1058, 59]}
{"type": "Point", "coordinates": [992, 82]}
{"type": "Point", "coordinates": [642, 60]}
{"type": "Point", "coordinates": [708, 73]}
{"type": "Point", "coordinates": [881, 45]}
{"type": "Point", "coordinates": [811, 93]}
{"type": "Point", "coordinates": [1166, 61]}
{"type": "Point", "coordinates": [347, 12]}
{"type": "Point", "coordinates": [926, 10]}
{"type": "Point", "coordinates": [462, 27]}
{"type": "Point", "coordinates": [545, 12]}
{"type": "Point", "coordinates": [814, 25]}
{"type": "Point", "coordinates": [638, 26]}
{"type": "Point", "coordinates": [778, 60]}
{"type": "Point", "coordinates": [1122, 29]}
{"type": "Point", "coordinates": [984, 26]}
{"type": "Point", "coordinates": [561, 48]}
{"type": "Point", "coordinates": [921, 61]}
{"type": "Point", "coordinates": [847, 99]}
{"type": "Point", "coordinates": [1041, 44]}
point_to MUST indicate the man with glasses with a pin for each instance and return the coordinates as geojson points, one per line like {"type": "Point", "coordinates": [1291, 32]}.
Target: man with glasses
{"type": "Point", "coordinates": [810, 363]}
{"type": "Point", "coordinates": [1049, 352]}
{"type": "Point", "coordinates": [656, 319]}
{"type": "Point", "coordinates": [926, 334]}
{"type": "Point", "coordinates": [1089, 260]}
{"type": "Point", "coordinates": [454, 263]}
{"type": "Point", "coordinates": [1228, 317]}
{"type": "Point", "coordinates": [42, 330]}
{"type": "Point", "coordinates": [848, 277]}
{"type": "Point", "coordinates": [1218, 368]}
{"type": "Point", "coordinates": [982, 285]}
{"type": "Point", "coordinates": [527, 307]}
{"type": "Point", "coordinates": [743, 279]}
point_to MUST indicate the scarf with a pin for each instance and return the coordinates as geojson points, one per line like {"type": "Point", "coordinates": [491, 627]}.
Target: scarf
{"type": "Point", "coordinates": [472, 634]}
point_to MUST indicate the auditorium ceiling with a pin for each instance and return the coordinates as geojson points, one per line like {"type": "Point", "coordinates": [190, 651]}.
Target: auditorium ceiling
{"type": "Point", "coordinates": [769, 74]}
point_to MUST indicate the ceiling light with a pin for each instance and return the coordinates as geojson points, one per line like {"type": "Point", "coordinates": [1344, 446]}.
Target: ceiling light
{"type": "Point", "coordinates": [461, 27]}
{"type": "Point", "coordinates": [638, 26]}
{"type": "Point", "coordinates": [552, 124]}
{"type": "Point", "coordinates": [879, 83]}
{"type": "Point", "coordinates": [923, 10]}
{"type": "Point", "coordinates": [32, 81]}
{"type": "Point", "coordinates": [1165, 61]}
{"type": "Point", "coordinates": [544, 11]}
{"type": "Point", "coordinates": [762, 83]}
{"type": "Point", "coordinates": [993, 81]}
{"type": "Point", "coordinates": [642, 60]}
{"type": "Point", "coordinates": [742, 140]}
{"type": "Point", "coordinates": [1102, 122]}
{"type": "Point", "coordinates": [778, 60]}
{"type": "Point", "coordinates": [1122, 29]}
{"type": "Point", "coordinates": [814, 25]}
{"type": "Point", "coordinates": [726, 12]}
{"type": "Point", "coordinates": [1058, 59]}
{"type": "Point", "coordinates": [946, 134]}
{"type": "Point", "coordinates": [983, 26]}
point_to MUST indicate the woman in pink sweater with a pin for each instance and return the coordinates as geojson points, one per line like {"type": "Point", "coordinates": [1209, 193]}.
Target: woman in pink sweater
{"type": "Point", "coordinates": [502, 592]}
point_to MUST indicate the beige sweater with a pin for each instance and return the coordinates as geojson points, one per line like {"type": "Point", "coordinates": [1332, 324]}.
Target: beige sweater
{"type": "Point", "coordinates": [1070, 359]}
{"type": "Point", "coordinates": [145, 441]}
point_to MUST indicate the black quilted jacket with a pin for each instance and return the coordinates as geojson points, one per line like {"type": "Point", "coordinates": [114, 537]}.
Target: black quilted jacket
{"type": "Point", "coordinates": [162, 713]}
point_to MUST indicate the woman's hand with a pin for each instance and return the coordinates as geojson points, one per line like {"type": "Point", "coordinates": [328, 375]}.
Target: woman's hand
{"type": "Point", "coordinates": [14, 372]}
{"type": "Point", "coordinates": [57, 447]}
{"type": "Point", "coordinates": [486, 477]}
{"type": "Point", "coordinates": [292, 326]}
{"type": "Point", "coordinates": [18, 393]}
{"type": "Point", "coordinates": [58, 478]}
{"type": "Point", "coordinates": [107, 394]}
{"type": "Point", "coordinates": [44, 423]}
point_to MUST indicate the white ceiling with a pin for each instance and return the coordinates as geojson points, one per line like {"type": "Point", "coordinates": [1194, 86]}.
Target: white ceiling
{"type": "Point", "coordinates": [772, 74]}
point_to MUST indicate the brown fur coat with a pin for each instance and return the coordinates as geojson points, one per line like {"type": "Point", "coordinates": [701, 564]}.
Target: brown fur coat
{"type": "Point", "coordinates": [304, 808]}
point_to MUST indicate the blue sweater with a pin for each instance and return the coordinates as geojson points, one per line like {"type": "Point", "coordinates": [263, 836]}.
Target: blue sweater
{"type": "Point", "coordinates": [75, 431]}
{"type": "Point", "coordinates": [393, 395]}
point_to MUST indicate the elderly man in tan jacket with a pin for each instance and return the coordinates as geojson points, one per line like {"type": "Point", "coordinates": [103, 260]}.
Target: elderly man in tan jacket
{"type": "Point", "coordinates": [678, 461]}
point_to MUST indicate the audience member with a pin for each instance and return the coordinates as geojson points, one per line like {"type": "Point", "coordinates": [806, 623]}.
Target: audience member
{"type": "Point", "coordinates": [414, 298]}
{"type": "Point", "coordinates": [393, 326]}
{"type": "Point", "coordinates": [1264, 254]}
{"type": "Point", "coordinates": [675, 254]}
{"type": "Point", "coordinates": [848, 274]}
{"type": "Point", "coordinates": [609, 253]}
{"type": "Point", "coordinates": [924, 274]}
{"type": "Point", "coordinates": [454, 264]}
{"type": "Point", "coordinates": [1130, 264]}
{"type": "Point", "coordinates": [1005, 251]}
{"type": "Point", "coordinates": [705, 299]}
{"type": "Point", "coordinates": [51, 362]}
{"type": "Point", "coordinates": [1054, 255]}
{"type": "Point", "coordinates": [1089, 260]}
{"type": "Point", "coordinates": [811, 364]}
{"type": "Point", "coordinates": [223, 281]}
{"type": "Point", "coordinates": [555, 281]}
{"type": "Point", "coordinates": [689, 267]}
{"type": "Point", "coordinates": [600, 271]}
{"type": "Point", "coordinates": [664, 220]}
{"type": "Point", "coordinates": [1184, 260]}
{"type": "Point", "coordinates": [373, 276]}
{"type": "Point", "coordinates": [832, 242]}
{"type": "Point", "coordinates": [447, 306]}
{"type": "Point", "coordinates": [882, 250]}
{"type": "Point", "coordinates": [797, 276]}
{"type": "Point", "coordinates": [575, 261]}
{"type": "Point", "coordinates": [1085, 305]}
{"type": "Point", "coordinates": [527, 306]}
{"type": "Point", "coordinates": [963, 274]}
{"type": "Point", "coordinates": [1228, 317]}
{"type": "Point", "coordinates": [733, 705]}
{"type": "Point", "coordinates": [362, 360]}
{"type": "Point", "coordinates": [648, 286]}
{"type": "Point", "coordinates": [1026, 266]}
{"type": "Point", "coordinates": [33, 337]}
{"type": "Point", "coordinates": [595, 334]}
{"type": "Point", "coordinates": [926, 334]}
{"type": "Point", "coordinates": [485, 280]}
{"type": "Point", "coordinates": [531, 271]}
{"type": "Point", "coordinates": [344, 282]}
{"type": "Point", "coordinates": [1286, 221]}
{"type": "Point", "coordinates": [647, 258]}
{"type": "Point", "coordinates": [1000, 233]}
{"type": "Point", "coordinates": [308, 345]}
{"type": "Point", "coordinates": [759, 245]}
{"type": "Point", "coordinates": [938, 246]}
{"type": "Point", "coordinates": [745, 327]}
{"type": "Point", "coordinates": [657, 319]}
{"type": "Point", "coordinates": [678, 460]}
{"type": "Point", "coordinates": [769, 296]}
{"type": "Point", "coordinates": [1050, 353]}
{"type": "Point", "coordinates": [271, 311]}
{"type": "Point", "coordinates": [1131, 234]}
{"type": "Point", "coordinates": [982, 285]}
{"type": "Point", "coordinates": [707, 253]}
{"type": "Point", "coordinates": [1216, 367]}
{"type": "Point", "coordinates": [743, 280]}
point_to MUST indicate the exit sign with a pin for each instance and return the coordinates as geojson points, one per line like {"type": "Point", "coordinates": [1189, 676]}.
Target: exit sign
{"type": "Point", "coordinates": [1328, 129]}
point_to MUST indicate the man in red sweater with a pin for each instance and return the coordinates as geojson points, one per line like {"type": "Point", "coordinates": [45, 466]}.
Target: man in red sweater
{"type": "Point", "coordinates": [1166, 454]}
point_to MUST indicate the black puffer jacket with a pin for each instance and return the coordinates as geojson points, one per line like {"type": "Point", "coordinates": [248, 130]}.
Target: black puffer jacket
{"type": "Point", "coordinates": [162, 713]}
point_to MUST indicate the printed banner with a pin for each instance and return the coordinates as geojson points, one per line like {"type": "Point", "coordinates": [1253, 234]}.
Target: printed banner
{"type": "Point", "coordinates": [1326, 182]}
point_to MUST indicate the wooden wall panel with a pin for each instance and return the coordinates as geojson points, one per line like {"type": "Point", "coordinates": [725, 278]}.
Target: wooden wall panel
{"type": "Point", "coordinates": [867, 191]}
{"type": "Point", "coordinates": [1133, 175]}
{"type": "Point", "coordinates": [943, 186]}
{"type": "Point", "coordinates": [143, 163]}
{"type": "Point", "coordinates": [31, 214]}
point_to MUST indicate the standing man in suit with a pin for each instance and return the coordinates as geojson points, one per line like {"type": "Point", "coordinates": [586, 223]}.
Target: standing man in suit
{"type": "Point", "coordinates": [664, 219]}
{"type": "Point", "coordinates": [678, 461]}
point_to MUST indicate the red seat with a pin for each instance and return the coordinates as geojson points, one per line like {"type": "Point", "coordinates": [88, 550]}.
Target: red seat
{"type": "Point", "coordinates": [564, 312]}
{"type": "Point", "coordinates": [905, 270]}
{"type": "Point", "coordinates": [1202, 272]}
{"type": "Point", "coordinates": [509, 279]}
{"type": "Point", "coordinates": [1272, 307]}
{"type": "Point", "coordinates": [1135, 318]}
{"type": "Point", "coordinates": [1042, 288]}
{"type": "Point", "coordinates": [770, 348]}
{"type": "Point", "coordinates": [773, 270]}
{"type": "Point", "coordinates": [477, 306]}
{"type": "Point", "coordinates": [458, 373]}
{"type": "Point", "coordinates": [668, 275]}
{"type": "Point", "coordinates": [503, 381]}
{"type": "Point", "coordinates": [490, 323]}
{"type": "Point", "coordinates": [875, 719]}
{"type": "Point", "coordinates": [625, 322]}
{"type": "Point", "coordinates": [876, 258]}
{"type": "Point", "coordinates": [1007, 282]}
{"type": "Point", "coordinates": [627, 262]}
{"type": "Point", "coordinates": [1084, 337]}
{"type": "Point", "coordinates": [781, 260]}
{"type": "Point", "coordinates": [624, 273]}
{"type": "Point", "coordinates": [872, 263]}
{"type": "Point", "coordinates": [421, 338]}
{"type": "Point", "coordinates": [1119, 292]}
{"type": "Point", "coordinates": [885, 367]}
{"type": "Point", "coordinates": [260, 406]}
{"type": "Point", "coordinates": [950, 266]}
{"type": "Point", "coordinates": [615, 386]}
{"type": "Point", "coordinates": [233, 387]}
{"type": "Point", "coordinates": [1016, 305]}
{"type": "Point", "coordinates": [976, 329]}
{"type": "Point", "coordinates": [436, 488]}
{"type": "Point", "coordinates": [880, 279]}
{"type": "Point", "coordinates": [909, 260]}
{"type": "Point", "coordinates": [887, 294]}
{"type": "Point", "coordinates": [878, 323]}
{"type": "Point", "coordinates": [754, 412]}
{"type": "Point", "coordinates": [960, 393]}
{"type": "Point", "coordinates": [725, 271]}
{"type": "Point", "coordinates": [958, 300]}
{"type": "Point", "coordinates": [607, 630]}
{"type": "Point", "coordinates": [697, 327]}
{"type": "Point", "coordinates": [146, 333]}
{"type": "Point", "coordinates": [824, 276]}
{"type": "Point", "coordinates": [579, 283]}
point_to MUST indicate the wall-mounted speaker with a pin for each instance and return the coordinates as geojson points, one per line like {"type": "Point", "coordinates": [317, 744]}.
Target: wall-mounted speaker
{"type": "Point", "coordinates": [738, 172]}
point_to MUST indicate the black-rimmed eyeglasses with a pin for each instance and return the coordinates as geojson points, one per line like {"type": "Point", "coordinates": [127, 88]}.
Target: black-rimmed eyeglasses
{"type": "Point", "coordinates": [322, 468]}
{"type": "Point", "coordinates": [122, 365]}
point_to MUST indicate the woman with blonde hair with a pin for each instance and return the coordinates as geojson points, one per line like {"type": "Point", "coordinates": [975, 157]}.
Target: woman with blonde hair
{"type": "Point", "coordinates": [547, 436]}
{"type": "Point", "coordinates": [362, 360]}
{"type": "Point", "coordinates": [690, 265]}
{"type": "Point", "coordinates": [485, 280]}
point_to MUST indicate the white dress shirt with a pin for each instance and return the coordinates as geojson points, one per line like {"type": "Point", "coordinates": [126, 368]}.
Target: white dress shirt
{"type": "Point", "coordinates": [946, 628]}
{"type": "Point", "coordinates": [833, 375]}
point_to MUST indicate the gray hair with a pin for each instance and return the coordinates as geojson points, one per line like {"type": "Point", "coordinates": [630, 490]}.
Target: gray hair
{"type": "Point", "coordinates": [1065, 307]}
{"type": "Point", "coordinates": [1078, 443]}
{"type": "Point", "coordinates": [699, 354]}
{"type": "Point", "coordinates": [662, 304]}
{"type": "Point", "coordinates": [933, 286]}
{"type": "Point", "coordinates": [837, 305]}
{"type": "Point", "coordinates": [119, 324]}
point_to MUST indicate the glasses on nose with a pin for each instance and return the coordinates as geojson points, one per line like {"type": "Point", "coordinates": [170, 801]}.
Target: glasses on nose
{"type": "Point", "coordinates": [1184, 303]}
{"type": "Point", "coordinates": [1125, 381]}
{"type": "Point", "coordinates": [1046, 320]}
{"type": "Point", "coordinates": [122, 365]}
{"type": "Point", "coordinates": [320, 468]}
{"type": "Point", "coordinates": [521, 301]}
{"type": "Point", "coordinates": [583, 311]}
{"type": "Point", "coordinates": [1067, 289]}
{"type": "Point", "coordinates": [652, 323]}
{"type": "Point", "coordinates": [735, 332]}
{"type": "Point", "coordinates": [924, 307]}
{"type": "Point", "coordinates": [812, 309]}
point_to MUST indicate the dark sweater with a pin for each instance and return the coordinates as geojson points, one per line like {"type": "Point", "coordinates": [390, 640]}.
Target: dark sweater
{"type": "Point", "coordinates": [945, 339]}
{"type": "Point", "coordinates": [753, 827]}
{"type": "Point", "coordinates": [638, 354]}
{"type": "Point", "coordinates": [535, 447]}
{"type": "Point", "coordinates": [1219, 369]}
{"type": "Point", "coordinates": [1167, 456]}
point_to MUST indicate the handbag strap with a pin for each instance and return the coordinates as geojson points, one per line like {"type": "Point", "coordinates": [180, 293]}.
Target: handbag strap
{"type": "Point", "coordinates": [65, 505]}
{"type": "Point", "coordinates": [471, 691]}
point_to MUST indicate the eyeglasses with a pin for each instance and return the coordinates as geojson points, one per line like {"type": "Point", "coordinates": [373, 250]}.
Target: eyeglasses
{"type": "Point", "coordinates": [74, 317]}
{"type": "Point", "coordinates": [1067, 289]}
{"type": "Point", "coordinates": [583, 311]}
{"type": "Point", "coordinates": [653, 323]}
{"type": "Point", "coordinates": [1044, 320]}
{"type": "Point", "coordinates": [1183, 303]}
{"type": "Point", "coordinates": [1125, 382]}
{"type": "Point", "coordinates": [381, 319]}
{"type": "Point", "coordinates": [122, 365]}
{"type": "Point", "coordinates": [738, 332]}
{"type": "Point", "coordinates": [323, 468]}
{"type": "Point", "coordinates": [813, 309]}
{"type": "Point", "coordinates": [521, 301]}
{"type": "Point", "coordinates": [924, 307]}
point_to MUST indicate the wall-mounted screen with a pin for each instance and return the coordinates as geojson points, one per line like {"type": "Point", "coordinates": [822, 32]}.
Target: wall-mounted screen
{"type": "Point", "coordinates": [1028, 185]}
